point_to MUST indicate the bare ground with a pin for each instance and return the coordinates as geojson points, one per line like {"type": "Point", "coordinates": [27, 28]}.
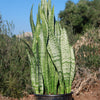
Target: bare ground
{"type": "Point", "coordinates": [92, 94]}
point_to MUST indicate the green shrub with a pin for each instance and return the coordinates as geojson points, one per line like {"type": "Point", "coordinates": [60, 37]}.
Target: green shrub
{"type": "Point", "coordinates": [80, 16]}
{"type": "Point", "coordinates": [14, 67]}
{"type": "Point", "coordinates": [87, 57]}
{"type": "Point", "coordinates": [88, 54]}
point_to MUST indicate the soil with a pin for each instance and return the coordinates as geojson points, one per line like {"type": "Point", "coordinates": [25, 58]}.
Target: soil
{"type": "Point", "coordinates": [92, 94]}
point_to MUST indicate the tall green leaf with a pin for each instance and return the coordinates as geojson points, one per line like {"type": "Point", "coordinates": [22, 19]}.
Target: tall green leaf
{"type": "Point", "coordinates": [31, 21]}
{"type": "Point", "coordinates": [43, 58]}
{"type": "Point", "coordinates": [49, 8]}
{"type": "Point", "coordinates": [72, 71]}
{"type": "Point", "coordinates": [33, 73]}
{"type": "Point", "coordinates": [65, 54]}
{"type": "Point", "coordinates": [58, 31]}
{"type": "Point", "coordinates": [54, 51]}
{"type": "Point", "coordinates": [51, 22]}
{"type": "Point", "coordinates": [44, 25]}
{"type": "Point", "coordinates": [52, 80]}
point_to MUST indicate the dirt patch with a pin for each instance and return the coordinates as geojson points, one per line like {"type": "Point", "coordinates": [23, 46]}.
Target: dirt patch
{"type": "Point", "coordinates": [92, 94]}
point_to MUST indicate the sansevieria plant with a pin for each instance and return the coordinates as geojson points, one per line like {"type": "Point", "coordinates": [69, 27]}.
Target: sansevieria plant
{"type": "Point", "coordinates": [52, 59]}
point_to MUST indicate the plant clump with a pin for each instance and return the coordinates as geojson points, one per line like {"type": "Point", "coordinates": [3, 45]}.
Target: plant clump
{"type": "Point", "coordinates": [51, 57]}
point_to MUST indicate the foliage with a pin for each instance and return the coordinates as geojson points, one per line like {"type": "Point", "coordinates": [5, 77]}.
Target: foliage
{"type": "Point", "coordinates": [6, 27]}
{"type": "Point", "coordinates": [81, 16]}
{"type": "Point", "coordinates": [14, 67]}
{"type": "Point", "coordinates": [14, 64]}
{"type": "Point", "coordinates": [88, 54]}
{"type": "Point", "coordinates": [72, 37]}
{"type": "Point", "coordinates": [52, 58]}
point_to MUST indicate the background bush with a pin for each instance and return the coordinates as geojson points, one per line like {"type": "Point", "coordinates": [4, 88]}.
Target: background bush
{"type": "Point", "coordinates": [14, 67]}
{"type": "Point", "coordinates": [80, 16]}
{"type": "Point", "coordinates": [87, 50]}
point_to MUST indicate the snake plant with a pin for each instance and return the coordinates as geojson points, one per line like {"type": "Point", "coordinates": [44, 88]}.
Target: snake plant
{"type": "Point", "coordinates": [52, 60]}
